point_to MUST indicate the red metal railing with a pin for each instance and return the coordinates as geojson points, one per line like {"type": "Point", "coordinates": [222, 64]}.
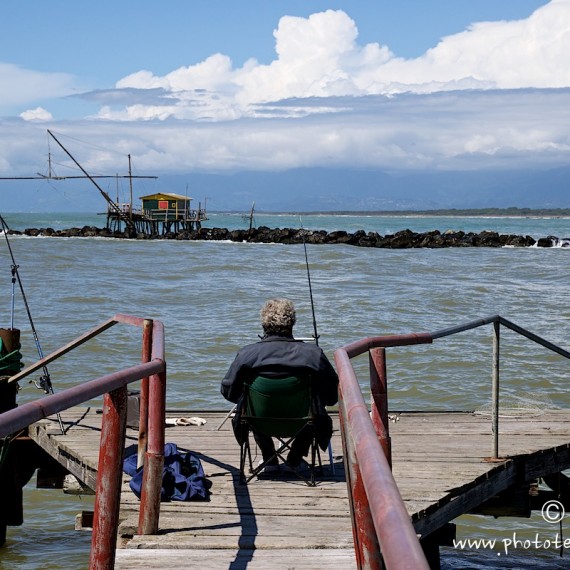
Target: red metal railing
{"type": "Point", "coordinates": [382, 530]}
{"type": "Point", "coordinates": [384, 536]}
{"type": "Point", "coordinates": [113, 387]}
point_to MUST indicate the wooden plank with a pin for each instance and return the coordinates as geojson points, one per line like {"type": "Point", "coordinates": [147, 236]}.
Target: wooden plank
{"type": "Point", "coordinates": [542, 463]}
{"type": "Point", "coordinates": [307, 559]}
{"type": "Point", "coordinates": [67, 456]}
{"type": "Point", "coordinates": [316, 544]}
{"type": "Point", "coordinates": [426, 522]}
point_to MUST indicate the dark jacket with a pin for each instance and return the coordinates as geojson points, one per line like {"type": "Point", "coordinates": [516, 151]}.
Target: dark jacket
{"type": "Point", "coordinates": [276, 355]}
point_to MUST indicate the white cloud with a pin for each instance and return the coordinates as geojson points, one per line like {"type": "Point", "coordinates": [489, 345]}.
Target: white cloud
{"type": "Point", "coordinates": [213, 73]}
{"type": "Point", "coordinates": [444, 131]}
{"type": "Point", "coordinates": [37, 114]}
{"type": "Point", "coordinates": [319, 56]}
{"type": "Point", "coordinates": [518, 54]}
{"type": "Point", "coordinates": [20, 86]}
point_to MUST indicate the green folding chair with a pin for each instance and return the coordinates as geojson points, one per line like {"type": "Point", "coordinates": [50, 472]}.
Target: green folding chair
{"type": "Point", "coordinates": [279, 408]}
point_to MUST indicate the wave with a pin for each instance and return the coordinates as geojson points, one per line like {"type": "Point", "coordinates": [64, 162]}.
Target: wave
{"type": "Point", "coordinates": [556, 243]}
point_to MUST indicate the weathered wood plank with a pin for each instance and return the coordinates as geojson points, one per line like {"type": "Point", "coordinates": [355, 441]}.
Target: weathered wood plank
{"type": "Point", "coordinates": [315, 544]}
{"type": "Point", "coordinates": [307, 559]}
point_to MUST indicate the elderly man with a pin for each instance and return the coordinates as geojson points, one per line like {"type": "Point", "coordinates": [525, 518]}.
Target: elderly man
{"type": "Point", "coordinates": [278, 354]}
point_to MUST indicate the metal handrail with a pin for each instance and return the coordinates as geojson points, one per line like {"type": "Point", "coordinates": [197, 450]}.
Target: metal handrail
{"type": "Point", "coordinates": [113, 387]}
{"type": "Point", "coordinates": [383, 533]}
{"type": "Point", "coordinates": [497, 321]}
{"type": "Point", "coordinates": [26, 414]}
{"type": "Point", "coordinates": [381, 526]}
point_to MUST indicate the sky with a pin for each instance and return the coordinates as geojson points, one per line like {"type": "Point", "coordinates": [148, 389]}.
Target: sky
{"type": "Point", "coordinates": [222, 87]}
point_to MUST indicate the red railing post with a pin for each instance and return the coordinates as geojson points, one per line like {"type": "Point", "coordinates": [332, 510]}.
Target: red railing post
{"type": "Point", "coordinates": [154, 458]}
{"type": "Point", "coordinates": [143, 411]}
{"type": "Point", "coordinates": [366, 546]}
{"type": "Point", "coordinates": [113, 387]}
{"type": "Point", "coordinates": [384, 534]}
{"type": "Point", "coordinates": [379, 404]}
{"type": "Point", "coordinates": [109, 478]}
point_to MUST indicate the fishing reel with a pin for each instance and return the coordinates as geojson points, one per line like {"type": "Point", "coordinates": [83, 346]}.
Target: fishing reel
{"type": "Point", "coordinates": [43, 383]}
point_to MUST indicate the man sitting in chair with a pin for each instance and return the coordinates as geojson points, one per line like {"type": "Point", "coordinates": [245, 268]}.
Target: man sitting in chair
{"type": "Point", "coordinates": [276, 355]}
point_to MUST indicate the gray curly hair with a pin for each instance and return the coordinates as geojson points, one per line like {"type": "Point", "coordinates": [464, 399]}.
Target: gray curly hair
{"type": "Point", "coordinates": [278, 316]}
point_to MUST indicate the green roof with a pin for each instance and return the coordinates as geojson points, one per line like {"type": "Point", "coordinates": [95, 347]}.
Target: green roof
{"type": "Point", "coordinates": [165, 196]}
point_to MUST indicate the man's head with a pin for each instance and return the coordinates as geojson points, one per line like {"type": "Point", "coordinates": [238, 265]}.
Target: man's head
{"type": "Point", "coordinates": [278, 316]}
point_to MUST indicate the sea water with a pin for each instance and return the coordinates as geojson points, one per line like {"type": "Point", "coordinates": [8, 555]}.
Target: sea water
{"type": "Point", "coordinates": [208, 294]}
{"type": "Point", "coordinates": [535, 226]}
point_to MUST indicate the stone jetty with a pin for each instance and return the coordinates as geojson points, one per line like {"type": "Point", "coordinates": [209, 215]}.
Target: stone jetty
{"type": "Point", "coordinates": [400, 240]}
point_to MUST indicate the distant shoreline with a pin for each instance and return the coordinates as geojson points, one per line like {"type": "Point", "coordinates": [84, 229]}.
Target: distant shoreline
{"type": "Point", "coordinates": [511, 212]}
{"type": "Point", "coordinates": [446, 212]}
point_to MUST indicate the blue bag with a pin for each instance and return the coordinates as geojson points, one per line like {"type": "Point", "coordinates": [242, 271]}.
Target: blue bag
{"type": "Point", "coordinates": [183, 477]}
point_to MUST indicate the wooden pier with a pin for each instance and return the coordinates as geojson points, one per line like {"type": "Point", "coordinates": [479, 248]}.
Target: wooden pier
{"type": "Point", "coordinates": [440, 462]}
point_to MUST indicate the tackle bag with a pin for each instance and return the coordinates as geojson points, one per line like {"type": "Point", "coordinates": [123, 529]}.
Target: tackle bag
{"type": "Point", "coordinates": [183, 477]}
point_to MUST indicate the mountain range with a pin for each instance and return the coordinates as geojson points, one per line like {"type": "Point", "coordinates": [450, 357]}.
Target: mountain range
{"type": "Point", "coordinates": [311, 189]}
{"type": "Point", "coordinates": [314, 189]}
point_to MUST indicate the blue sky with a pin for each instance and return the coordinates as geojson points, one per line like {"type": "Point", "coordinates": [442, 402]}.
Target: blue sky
{"type": "Point", "coordinates": [269, 86]}
{"type": "Point", "coordinates": [104, 41]}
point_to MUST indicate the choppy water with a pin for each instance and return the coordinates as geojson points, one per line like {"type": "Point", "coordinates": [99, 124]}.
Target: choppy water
{"type": "Point", "coordinates": [208, 295]}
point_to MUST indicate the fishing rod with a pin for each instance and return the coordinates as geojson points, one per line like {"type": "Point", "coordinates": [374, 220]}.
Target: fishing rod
{"type": "Point", "coordinates": [44, 382]}
{"type": "Point", "coordinates": [315, 336]}
{"type": "Point", "coordinates": [315, 332]}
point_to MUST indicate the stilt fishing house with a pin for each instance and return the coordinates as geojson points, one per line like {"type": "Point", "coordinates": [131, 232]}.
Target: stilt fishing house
{"type": "Point", "coordinates": [161, 213]}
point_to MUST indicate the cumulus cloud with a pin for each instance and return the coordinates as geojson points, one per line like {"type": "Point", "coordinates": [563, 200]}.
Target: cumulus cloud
{"type": "Point", "coordinates": [316, 56]}
{"type": "Point", "coordinates": [37, 114]}
{"type": "Point", "coordinates": [320, 56]}
{"type": "Point", "coordinates": [503, 55]}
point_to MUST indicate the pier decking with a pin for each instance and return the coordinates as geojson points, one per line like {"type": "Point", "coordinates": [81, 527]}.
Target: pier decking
{"type": "Point", "coordinates": [440, 463]}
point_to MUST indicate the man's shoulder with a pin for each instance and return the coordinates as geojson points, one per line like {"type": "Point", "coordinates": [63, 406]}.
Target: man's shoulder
{"type": "Point", "coordinates": [309, 346]}
{"type": "Point", "coordinates": [279, 344]}
{"type": "Point", "coordinates": [250, 347]}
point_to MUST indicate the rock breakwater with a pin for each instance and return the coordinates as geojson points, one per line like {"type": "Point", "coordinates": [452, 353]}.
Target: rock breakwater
{"type": "Point", "coordinates": [400, 240]}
